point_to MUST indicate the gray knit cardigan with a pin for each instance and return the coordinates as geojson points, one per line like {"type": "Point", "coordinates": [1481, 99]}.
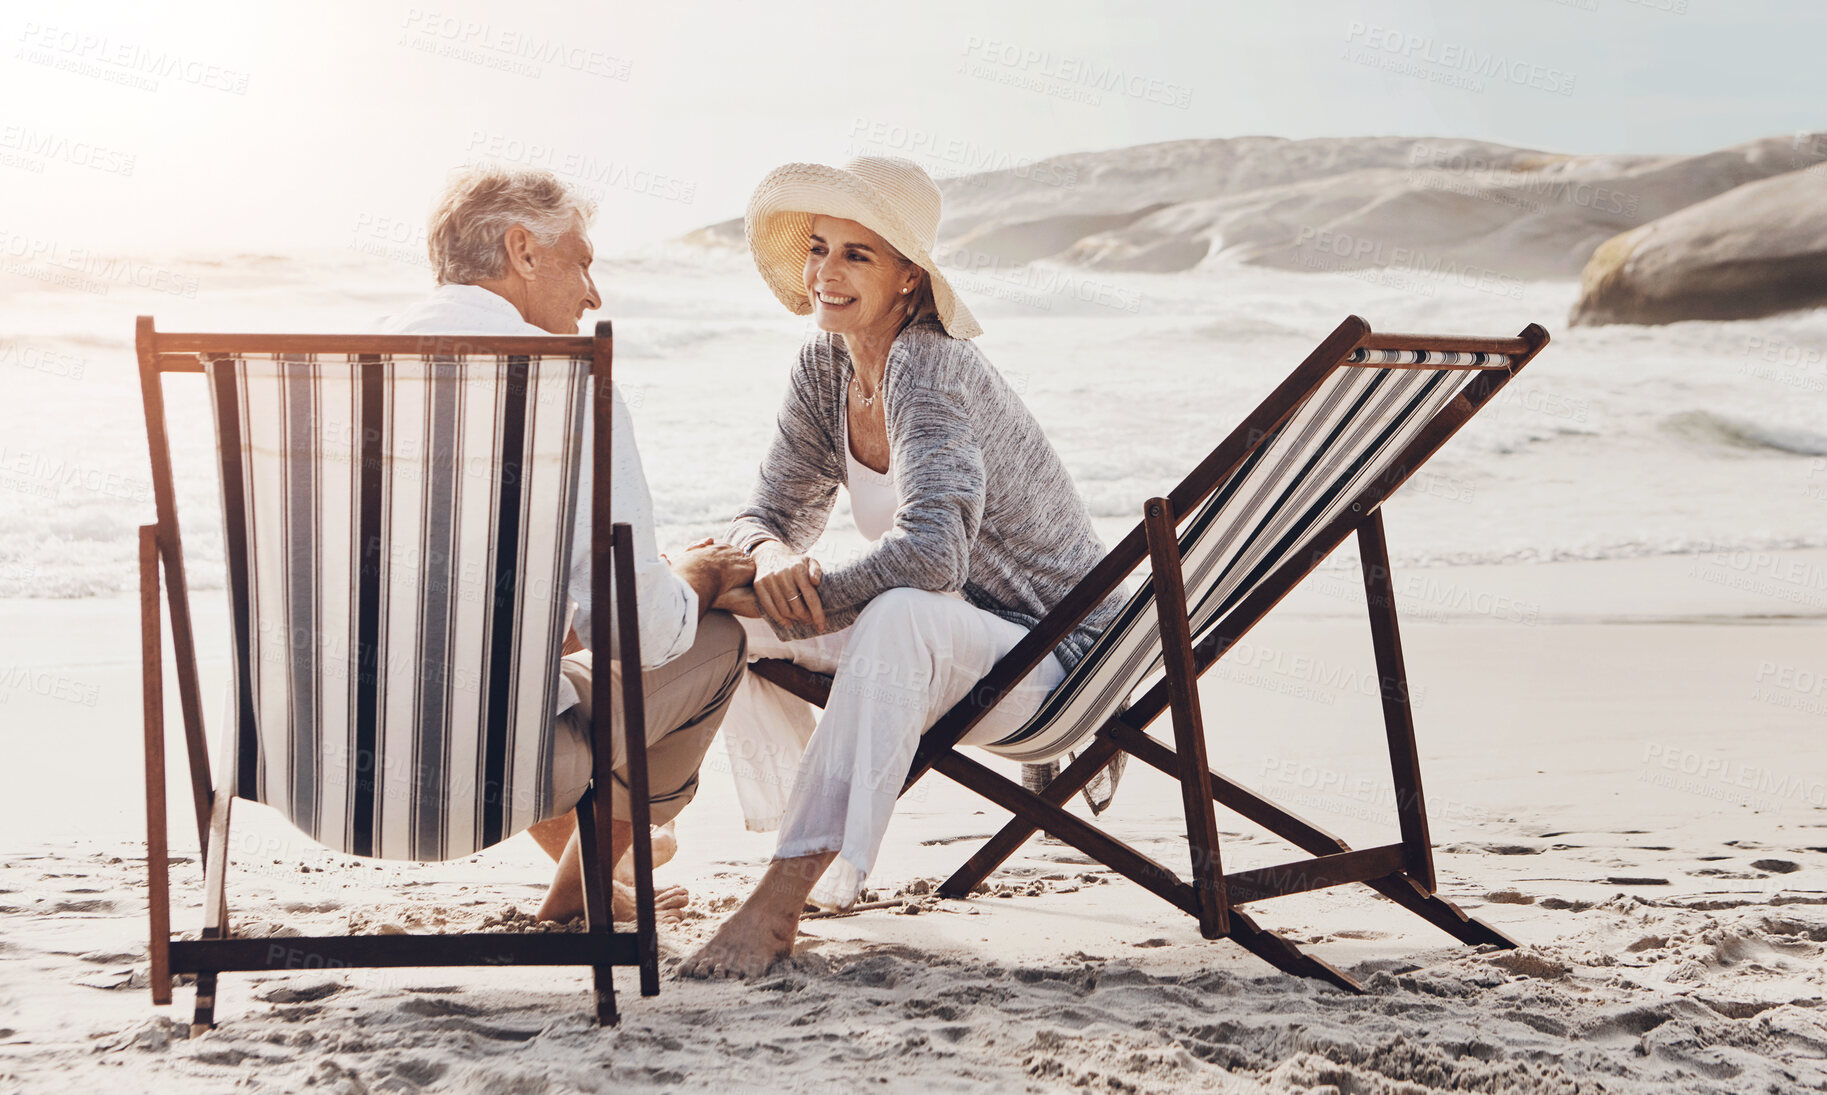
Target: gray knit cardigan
{"type": "Point", "coordinates": [986, 506]}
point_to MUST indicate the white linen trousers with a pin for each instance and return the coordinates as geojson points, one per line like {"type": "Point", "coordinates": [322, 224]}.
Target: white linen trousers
{"type": "Point", "coordinates": [909, 657]}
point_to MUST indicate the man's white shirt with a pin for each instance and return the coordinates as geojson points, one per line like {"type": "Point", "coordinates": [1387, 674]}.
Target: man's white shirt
{"type": "Point", "coordinates": [668, 605]}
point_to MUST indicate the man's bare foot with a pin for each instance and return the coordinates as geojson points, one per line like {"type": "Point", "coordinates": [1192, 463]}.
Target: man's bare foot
{"type": "Point", "coordinates": [665, 846]}
{"type": "Point", "coordinates": [668, 904]}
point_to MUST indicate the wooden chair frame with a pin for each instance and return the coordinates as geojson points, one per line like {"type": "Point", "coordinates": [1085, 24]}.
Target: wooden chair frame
{"type": "Point", "coordinates": [1403, 871]}
{"type": "Point", "coordinates": [600, 947]}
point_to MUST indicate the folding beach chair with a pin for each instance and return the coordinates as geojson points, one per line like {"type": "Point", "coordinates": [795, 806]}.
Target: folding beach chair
{"type": "Point", "coordinates": [397, 515]}
{"type": "Point", "coordinates": [1306, 469]}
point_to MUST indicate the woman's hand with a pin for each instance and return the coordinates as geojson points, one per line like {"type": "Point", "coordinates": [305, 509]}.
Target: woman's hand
{"type": "Point", "coordinates": [786, 585]}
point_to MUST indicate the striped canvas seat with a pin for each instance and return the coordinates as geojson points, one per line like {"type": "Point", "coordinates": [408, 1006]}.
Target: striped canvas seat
{"type": "Point", "coordinates": [1340, 438]}
{"type": "Point", "coordinates": [404, 524]}
{"type": "Point", "coordinates": [1306, 469]}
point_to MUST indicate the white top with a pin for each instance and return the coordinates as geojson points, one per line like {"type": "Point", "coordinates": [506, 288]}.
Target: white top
{"type": "Point", "coordinates": [668, 605]}
{"type": "Point", "coordinates": [872, 496]}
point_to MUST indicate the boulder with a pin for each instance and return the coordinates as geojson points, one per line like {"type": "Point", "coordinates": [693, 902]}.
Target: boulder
{"type": "Point", "coordinates": [1755, 250]}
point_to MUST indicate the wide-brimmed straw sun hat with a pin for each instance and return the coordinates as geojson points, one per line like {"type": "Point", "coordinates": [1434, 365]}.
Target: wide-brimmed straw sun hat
{"type": "Point", "coordinates": [890, 196]}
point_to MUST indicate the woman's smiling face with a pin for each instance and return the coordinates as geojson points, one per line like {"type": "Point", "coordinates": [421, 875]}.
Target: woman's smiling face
{"type": "Point", "coordinates": [855, 279]}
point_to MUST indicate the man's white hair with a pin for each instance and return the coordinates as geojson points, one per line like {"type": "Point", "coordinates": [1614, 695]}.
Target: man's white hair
{"type": "Point", "coordinates": [482, 202]}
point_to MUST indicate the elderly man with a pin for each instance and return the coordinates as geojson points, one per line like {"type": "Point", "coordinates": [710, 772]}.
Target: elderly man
{"type": "Point", "coordinates": [512, 258]}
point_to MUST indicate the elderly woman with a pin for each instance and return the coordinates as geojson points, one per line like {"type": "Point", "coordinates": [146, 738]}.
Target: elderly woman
{"type": "Point", "coordinates": [978, 531]}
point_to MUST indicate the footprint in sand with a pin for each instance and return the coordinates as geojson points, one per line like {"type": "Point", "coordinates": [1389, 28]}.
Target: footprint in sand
{"type": "Point", "coordinates": [297, 992]}
{"type": "Point", "coordinates": [91, 905]}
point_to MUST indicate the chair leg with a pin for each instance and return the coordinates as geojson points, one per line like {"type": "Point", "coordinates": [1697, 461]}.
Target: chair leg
{"type": "Point", "coordinates": [1440, 912]}
{"type": "Point", "coordinates": [592, 852]}
{"type": "Point", "coordinates": [1285, 956]}
{"type": "Point", "coordinates": [1135, 866]}
{"type": "Point", "coordinates": [215, 898]}
{"type": "Point", "coordinates": [634, 734]}
{"type": "Point", "coordinates": [1194, 777]}
{"type": "Point", "coordinates": [152, 688]}
{"type": "Point", "coordinates": [1398, 718]}
{"type": "Point", "coordinates": [1011, 837]}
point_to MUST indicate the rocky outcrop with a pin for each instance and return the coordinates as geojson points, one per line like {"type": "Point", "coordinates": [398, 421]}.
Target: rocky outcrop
{"type": "Point", "coordinates": [1330, 204]}
{"type": "Point", "coordinates": [1753, 251]}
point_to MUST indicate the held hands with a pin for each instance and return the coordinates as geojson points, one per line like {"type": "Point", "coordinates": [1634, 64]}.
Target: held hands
{"type": "Point", "coordinates": [786, 586]}
{"type": "Point", "coordinates": [740, 602]}
{"type": "Point", "coordinates": [713, 570]}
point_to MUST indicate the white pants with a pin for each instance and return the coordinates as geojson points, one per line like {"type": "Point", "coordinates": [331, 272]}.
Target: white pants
{"type": "Point", "coordinates": [909, 657]}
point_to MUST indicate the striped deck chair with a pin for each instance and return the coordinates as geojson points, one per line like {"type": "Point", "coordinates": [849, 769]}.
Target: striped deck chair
{"type": "Point", "coordinates": [1306, 469]}
{"type": "Point", "coordinates": [397, 515]}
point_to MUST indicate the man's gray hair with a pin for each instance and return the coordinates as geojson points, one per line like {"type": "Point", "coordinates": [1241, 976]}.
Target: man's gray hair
{"type": "Point", "coordinates": [482, 202]}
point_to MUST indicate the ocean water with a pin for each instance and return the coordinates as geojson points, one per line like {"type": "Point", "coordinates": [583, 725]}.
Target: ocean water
{"type": "Point", "coordinates": [1616, 441]}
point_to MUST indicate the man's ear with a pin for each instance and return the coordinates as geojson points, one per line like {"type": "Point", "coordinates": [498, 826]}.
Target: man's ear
{"type": "Point", "coordinates": [519, 245]}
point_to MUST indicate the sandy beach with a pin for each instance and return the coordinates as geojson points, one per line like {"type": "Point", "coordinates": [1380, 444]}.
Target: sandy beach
{"type": "Point", "coordinates": [1611, 582]}
{"type": "Point", "coordinates": [1626, 771]}
{"type": "Point", "coordinates": [1613, 587]}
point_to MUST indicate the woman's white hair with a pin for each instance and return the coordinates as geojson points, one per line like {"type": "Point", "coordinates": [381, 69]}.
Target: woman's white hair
{"type": "Point", "coordinates": [482, 202]}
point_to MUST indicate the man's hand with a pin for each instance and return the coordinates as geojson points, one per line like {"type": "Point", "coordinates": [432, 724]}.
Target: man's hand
{"type": "Point", "coordinates": [786, 584]}
{"type": "Point", "coordinates": [740, 602]}
{"type": "Point", "coordinates": [712, 570]}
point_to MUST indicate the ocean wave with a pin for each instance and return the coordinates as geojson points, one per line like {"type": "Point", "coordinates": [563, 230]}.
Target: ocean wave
{"type": "Point", "coordinates": [1626, 549]}
{"type": "Point", "coordinates": [1708, 428]}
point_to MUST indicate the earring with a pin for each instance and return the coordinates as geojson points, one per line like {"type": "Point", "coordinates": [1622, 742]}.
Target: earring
{"type": "Point", "coordinates": [903, 290]}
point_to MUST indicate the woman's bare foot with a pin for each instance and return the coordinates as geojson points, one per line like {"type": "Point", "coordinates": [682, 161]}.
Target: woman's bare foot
{"type": "Point", "coordinates": [762, 931]}
{"type": "Point", "coordinates": [747, 945]}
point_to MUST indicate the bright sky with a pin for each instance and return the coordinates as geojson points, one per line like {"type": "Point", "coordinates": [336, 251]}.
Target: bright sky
{"type": "Point", "coordinates": [258, 127]}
